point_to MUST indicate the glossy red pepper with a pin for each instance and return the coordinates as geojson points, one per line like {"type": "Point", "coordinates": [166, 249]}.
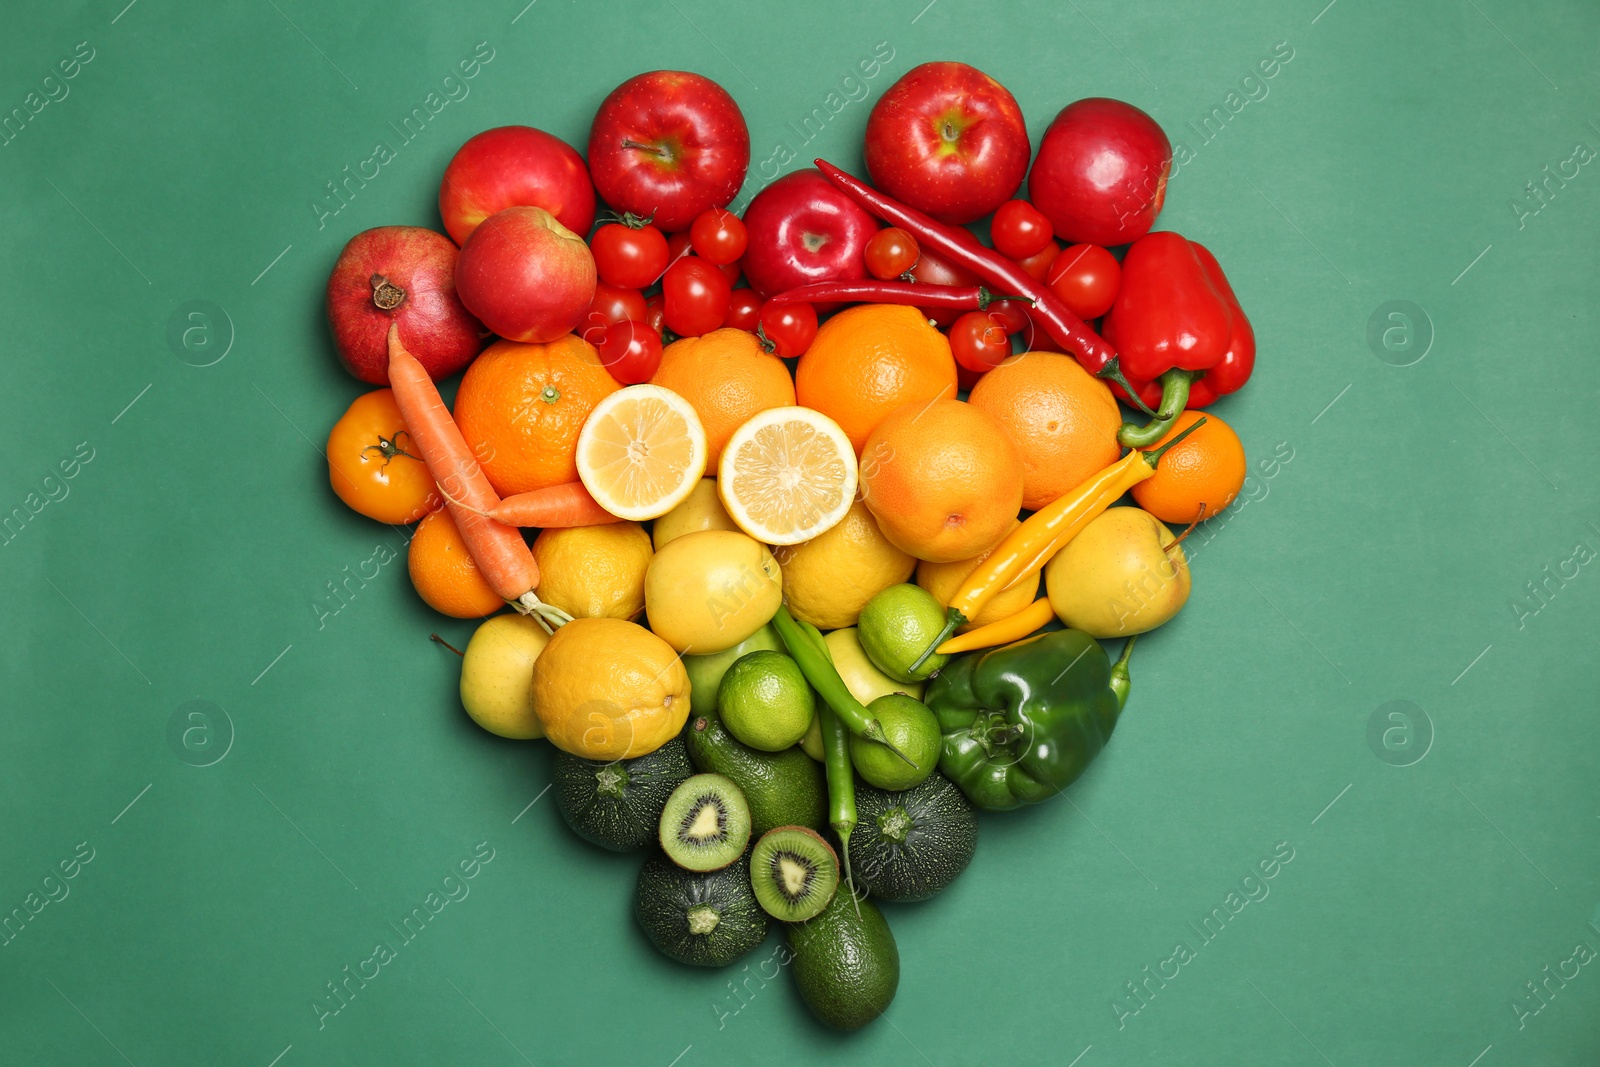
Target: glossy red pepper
{"type": "Point", "coordinates": [958, 246]}
{"type": "Point", "coordinates": [1237, 363]}
{"type": "Point", "coordinates": [1183, 338]}
{"type": "Point", "coordinates": [1168, 313]}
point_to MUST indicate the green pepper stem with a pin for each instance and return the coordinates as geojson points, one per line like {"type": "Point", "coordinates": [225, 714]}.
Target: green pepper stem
{"type": "Point", "coordinates": [1174, 396]}
{"type": "Point", "coordinates": [985, 298]}
{"type": "Point", "coordinates": [1112, 372]}
{"type": "Point", "coordinates": [1153, 456]}
{"type": "Point", "coordinates": [1120, 681]}
{"type": "Point", "coordinates": [953, 619]}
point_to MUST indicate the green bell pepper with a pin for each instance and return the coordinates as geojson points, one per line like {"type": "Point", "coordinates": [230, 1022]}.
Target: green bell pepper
{"type": "Point", "coordinates": [1023, 721]}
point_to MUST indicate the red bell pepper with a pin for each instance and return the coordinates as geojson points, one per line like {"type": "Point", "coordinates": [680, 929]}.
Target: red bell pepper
{"type": "Point", "coordinates": [1182, 337]}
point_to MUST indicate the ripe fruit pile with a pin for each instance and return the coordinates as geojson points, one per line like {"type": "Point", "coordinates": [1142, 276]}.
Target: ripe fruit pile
{"type": "Point", "coordinates": [797, 479]}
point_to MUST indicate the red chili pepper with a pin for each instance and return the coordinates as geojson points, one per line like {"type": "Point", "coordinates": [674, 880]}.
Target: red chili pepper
{"type": "Point", "coordinates": [957, 297]}
{"type": "Point", "coordinates": [958, 246]}
{"type": "Point", "coordinates": [1183, 338]}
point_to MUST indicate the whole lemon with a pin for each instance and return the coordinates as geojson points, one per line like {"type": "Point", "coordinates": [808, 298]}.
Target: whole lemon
{"type": "Point", "coordinates": [497, 675]}
{"type": "Point", "coordinates": [1118, 577]}
{"type": "Point", "coordinates": [708, 591]}
{"type": "Point", "coordinates": [701, 510]}
{"type": "Point", "coordinates": [943, 579]}
{"type": "Point", "coordinates": [593, 572]}
{"type": "Point", "coordinates": [829, 579]}
{"type": "Point", "coordinates": [606, 689]}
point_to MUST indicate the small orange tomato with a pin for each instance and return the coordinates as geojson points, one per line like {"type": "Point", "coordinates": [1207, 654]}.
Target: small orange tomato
{"type": "Point", "coordinates": [373, 465]}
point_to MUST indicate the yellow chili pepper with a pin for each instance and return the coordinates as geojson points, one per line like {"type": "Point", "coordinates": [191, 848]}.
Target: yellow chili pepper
{"type": "Point", "coordinates": [1030, 546]}
{"type": "Point", "coordinates": [1002, 631]}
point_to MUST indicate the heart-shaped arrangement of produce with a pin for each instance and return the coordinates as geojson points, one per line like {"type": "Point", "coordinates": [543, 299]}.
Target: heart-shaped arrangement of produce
{"type": "Point", "coordinates": [807, 517]}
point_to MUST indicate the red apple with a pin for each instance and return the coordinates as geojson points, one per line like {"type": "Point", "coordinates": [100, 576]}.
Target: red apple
{"type": "Point", "coordinates": [515, 166]}
{"type": "Point", "coordinates": [802, 230]}
{"type": "Point", "coordinates": [405, 275]}
{"type": "Point", "coordinates": [948, 139]}
{"type": "Point", "coordinates": [528, 277]}
{"type": "Point", "coordinates": [668, 144]}
{"type": "Point", "coordinates": [1101, 172]}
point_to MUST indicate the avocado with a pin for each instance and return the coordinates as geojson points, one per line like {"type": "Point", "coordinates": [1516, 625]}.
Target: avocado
{"type": "Point", "coordinates": [911, 845]}
{"type": "Point", "coordinates": [705, 919]}
{"type": "Point", "coordinates": [618, 805]}
{"type": "Point", "coordinates": [846, 965]}
{"type": "Point", "coordinates": [705, 672]}
{"type": "Point", "coordinates": [784, 788]}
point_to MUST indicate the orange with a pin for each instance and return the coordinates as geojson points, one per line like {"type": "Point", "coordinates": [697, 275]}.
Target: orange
{"type": "Point", "coordinates": [867, 361]}
{"type": "Point", "coordinates": [1205, 471]}
{"type": "Point", "coordinates": [442, 570]}
{"type": "Point", "coordinates": [1063, 420]}
{"type": "Point", "coordinates": [726, 377]}
{"type": "Point", "coordinates": [520, 408]}
{"type": "Point", "coordinates": [943, 480]}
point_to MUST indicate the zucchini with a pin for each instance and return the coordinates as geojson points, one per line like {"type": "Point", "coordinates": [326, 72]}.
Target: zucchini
{"type": "Point", "coordinates": [911, 845]}
{"type": "Point", "coordinates": [618, 805]}
{"type": "Point", "coordinates": [705, 919]}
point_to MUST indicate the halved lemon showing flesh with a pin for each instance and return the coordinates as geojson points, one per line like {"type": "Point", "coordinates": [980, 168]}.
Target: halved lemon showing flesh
{"type": "Point", "coordinates": [641, 451]}
{"type": "Point", "coordinates": [787, 475]}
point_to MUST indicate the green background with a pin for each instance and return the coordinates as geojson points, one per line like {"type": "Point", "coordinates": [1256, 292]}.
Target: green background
{"type": "Point", "coordinates": [1381, 563]}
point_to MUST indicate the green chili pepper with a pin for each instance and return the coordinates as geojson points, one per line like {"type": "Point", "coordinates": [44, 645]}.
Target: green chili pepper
{"type": "Point", "coordinates": [805, 644]}
{"type": "Point", "coordinates": [1023, 721]}
{"type": "Point", "coordinates": [841, 783]}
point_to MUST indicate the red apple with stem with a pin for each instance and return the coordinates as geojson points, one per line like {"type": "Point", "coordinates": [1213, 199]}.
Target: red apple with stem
{"type": "Point", "coordinates": [668, 145]}
{"type": "Point", "coordinates": [403, 275]}
{"type": "Point", "coordinates": [1101, 173]}
{"type": "Point", "coordinates": [528, 277]}
{"type": "Point", "coordinates": [515, 166]}
{"type": "Point", "coordinates": [803, 229]}
{"type": "Point", "coordinates": [947, 139]}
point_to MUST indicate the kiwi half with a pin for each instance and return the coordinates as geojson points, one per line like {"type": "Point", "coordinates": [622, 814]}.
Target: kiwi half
{"type": "Point", "coordinates": [794, 873]}
{"type": "Point", "coordinates": [705, 824]}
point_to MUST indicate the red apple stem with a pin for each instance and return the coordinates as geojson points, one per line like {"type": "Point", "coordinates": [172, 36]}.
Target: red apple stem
{"type": "Point", "coordinates": [653, 149]}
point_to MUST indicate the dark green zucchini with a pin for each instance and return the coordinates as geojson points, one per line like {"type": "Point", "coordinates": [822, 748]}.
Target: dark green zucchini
{"type": "Point", "coordinates": [618, 805]}
{"type": "Point", "coordinates": [911, 845]}
{"type": "Point", "coordinates": [706, 919]}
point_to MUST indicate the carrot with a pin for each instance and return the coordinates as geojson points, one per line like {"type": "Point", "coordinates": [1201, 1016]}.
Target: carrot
{"type": "Point", "coordinates": [499, 551]}
{"type": "Point", "coordinates": [568, 504]}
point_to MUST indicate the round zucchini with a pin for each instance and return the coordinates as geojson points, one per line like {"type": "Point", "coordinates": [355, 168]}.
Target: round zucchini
{"type": "Point", "coordinates": [618, 805]}
{"type": "Point", "coordinates": [911, 845]}
{"type": "Point", "coordinates": [706, 919]}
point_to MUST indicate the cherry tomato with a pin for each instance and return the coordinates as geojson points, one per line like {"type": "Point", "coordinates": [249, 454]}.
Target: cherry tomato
{"type": "Point", "coordinates": [732, 271]}
{"type": "Point", "coordinates": [610, 305]}
{"type": "Point", "coordinates": [966, 379]}
{"type": "Point", "coordinates": [790, 327]}
{"type": "Point", "coordinates": [628, 257]}
{"type": "Point", "coordinates": [1012, 314]}
{"type": "Point", "coordinates": [631, 351]}
{"type": "Point", "coordinates": [744, 310]}
{"type": "Point", "coordinates": [979, 341]}
{"type": "Point", "coordinates": [678, 246]}
{"type": "Point", "coordinates": [1038, 264]}
{"type": "Point", "coordinates": [718, 236]}
{"type": "Point", "coordinates": [1086, 278]}
{"type": "Point", "coordinates": [1019, 230]}
{"type": "Point", "coordinates": [373, 464]}
{"type": "Point", "coordinates": [891, 252]}
{"type": "Point", "coordinates": [655, 312]}
{"type": "Point", "coordinates": [931, 270]}
{"type": "Point", "coordinates": [697, 296]}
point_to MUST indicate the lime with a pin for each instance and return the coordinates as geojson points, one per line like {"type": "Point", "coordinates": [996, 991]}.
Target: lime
{"type": "Point", "coordinates": [705, 672]}
{"type": "Point", "coordinates": [896, 625]}
{"type": "Point", "coordinates": [765, 701]}
{"type": "Point", "coordinates": [912, 729]}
